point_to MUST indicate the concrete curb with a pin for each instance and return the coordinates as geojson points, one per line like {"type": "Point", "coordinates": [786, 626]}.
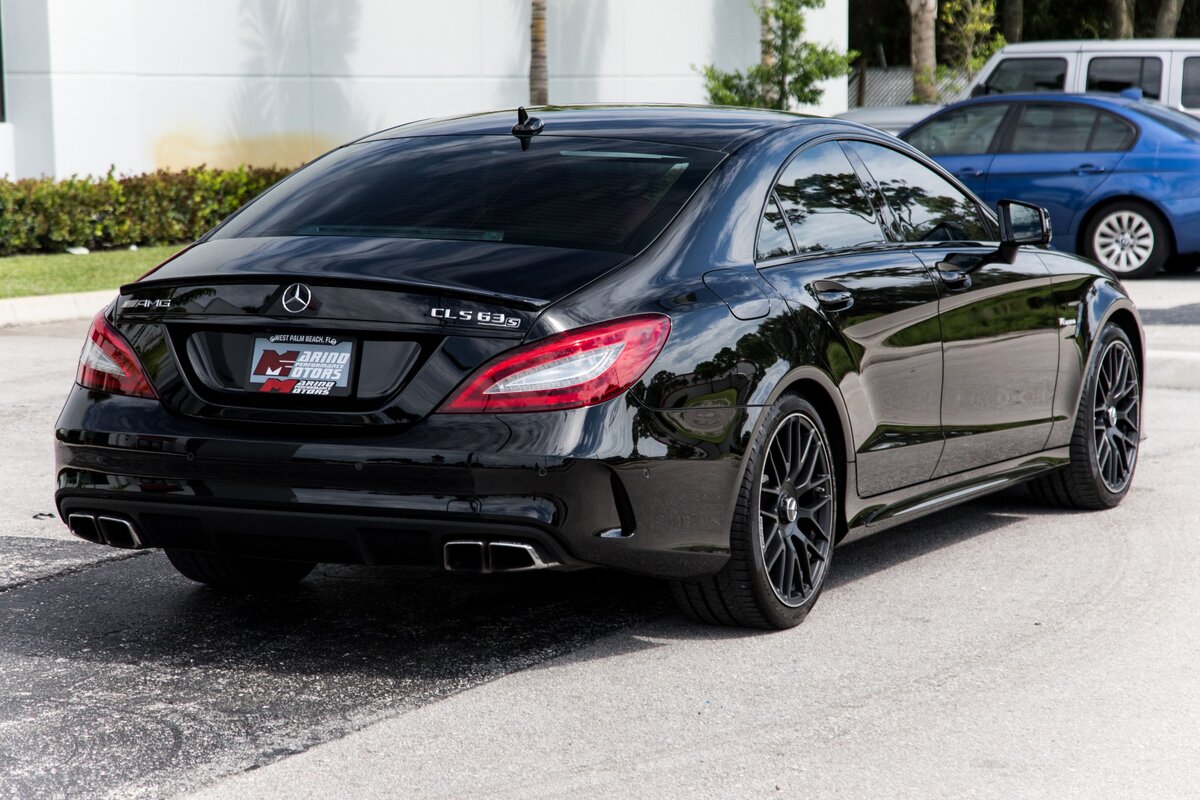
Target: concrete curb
{"type": "Point", "coordinates": [53, 307]}
{"type": "Point", "coordinates": [1173, 369]}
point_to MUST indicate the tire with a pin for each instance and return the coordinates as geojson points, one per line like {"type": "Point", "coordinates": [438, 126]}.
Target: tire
{"type": "Point", "coordinates": [774, 584]}
{"type": "Point", "coordinates": [1129, 238]}
{"type": "Point", "coordinates": [1107, 435]}
{"type": "Point", "coordinates": [235, 573]}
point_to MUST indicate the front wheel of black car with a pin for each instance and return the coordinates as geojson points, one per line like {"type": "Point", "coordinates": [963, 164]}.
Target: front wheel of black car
{"type": "Point", "coordinates": [237, 573]}
{"type": "Point", "coordinates": [781, 541]}
{"type": "Point", "coordinates": [1104, 445]}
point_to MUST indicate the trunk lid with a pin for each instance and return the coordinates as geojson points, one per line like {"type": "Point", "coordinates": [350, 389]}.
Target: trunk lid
{"type": "Point", "coordinates": [337, 330]}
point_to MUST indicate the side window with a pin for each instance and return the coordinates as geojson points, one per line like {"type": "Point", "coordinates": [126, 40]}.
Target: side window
{"type": "Point", "coordinates": [773, 238]}
{"type": "Point", "coordinates": [823, 202]}
{"type": "Point", "coordinates": [1191, 83]}
{"type": "Point", "coordinates": [1065, 128]}
{"type": "Point", "coordinates": [1027, 75]}
{"type": "Point", "coordinates": [1053, 129]}
{"type": "Point", "coordinates": [1111, 74]}
{"type": "Point", "coordinates": [1110, 134]}
{"type": "Point", "coordinates": [929, 207]}
{"type": "Point", "coordinates": [966, 131]}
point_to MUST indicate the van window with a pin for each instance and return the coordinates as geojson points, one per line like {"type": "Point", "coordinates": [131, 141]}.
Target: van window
{"type": "Point", "coordinates": [1191, 83]}
{"type": "Point", "coordinates": [1027, 75]}
{"type": "Point", "coordinates": [1112, 74]}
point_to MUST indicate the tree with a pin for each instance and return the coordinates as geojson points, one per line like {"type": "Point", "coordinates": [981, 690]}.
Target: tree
{"type": "Point", "coordinates": [923, 19]}
{"type": "Point", "coordinates": [1167, 21]}
{"type": "Point", "coordinates": [1120, 18]}
{"type": "Point", "coordinates": [790, 68]}
{"type": "Point", "coordinates": [1014, 19]}
{"type": "Point", "coordinates": [969, 34]}
{"type": "Point", "coordinates": [539, 80]}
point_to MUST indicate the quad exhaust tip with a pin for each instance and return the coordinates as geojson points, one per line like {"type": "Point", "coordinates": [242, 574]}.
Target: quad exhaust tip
{"type": "Point", "coordinates": [485, 557]}
{"type": "Point", "coordinates": [103, 529]}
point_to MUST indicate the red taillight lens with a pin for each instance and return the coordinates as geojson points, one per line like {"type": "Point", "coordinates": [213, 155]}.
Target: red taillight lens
{"type": "Point", "coordinates": [108, 363]}
{"type": "Point", "coordinates": [568, 370]}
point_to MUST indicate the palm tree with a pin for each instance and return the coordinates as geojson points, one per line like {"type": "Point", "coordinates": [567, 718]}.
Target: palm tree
{"type": "Point", "coordinates": [539, 80]}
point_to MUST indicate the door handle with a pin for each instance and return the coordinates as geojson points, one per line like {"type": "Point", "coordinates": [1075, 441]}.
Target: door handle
{"type": "Point", "coordinates": [1088, 169]}
{"type": "Point", "coordinates": [832, 295]}
{"type": "Point", "coordinates": [954, 278]}
{"type": "Point", "coordinates": [969, 172]}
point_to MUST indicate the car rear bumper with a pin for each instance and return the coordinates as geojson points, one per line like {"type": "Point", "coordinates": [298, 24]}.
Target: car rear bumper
{"type": "Point", "coordinates": [573, 485]}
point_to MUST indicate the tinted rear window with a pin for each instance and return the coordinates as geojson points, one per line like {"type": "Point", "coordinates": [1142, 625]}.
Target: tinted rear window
{"type": "Point", "coordinates": [590, 194]}
{"type": "Point", "coordinates": [1177, 121]}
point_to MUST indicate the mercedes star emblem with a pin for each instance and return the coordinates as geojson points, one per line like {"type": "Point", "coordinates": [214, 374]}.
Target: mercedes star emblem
{"type": "Point", "coordinates": [296, 298]}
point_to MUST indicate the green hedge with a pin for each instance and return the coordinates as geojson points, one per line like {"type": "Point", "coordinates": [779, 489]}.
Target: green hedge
{"type": "Point", "coordinates": [45, 215]}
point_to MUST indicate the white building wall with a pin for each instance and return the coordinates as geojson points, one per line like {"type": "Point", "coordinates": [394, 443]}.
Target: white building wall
{"type": "Point", "coordinates": [147, 84]}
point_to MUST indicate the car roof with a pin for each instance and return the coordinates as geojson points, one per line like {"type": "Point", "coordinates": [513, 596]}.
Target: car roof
{"type": "Point", "coordinates": [1099, 46]}
{"type": "Point", "coordinates": [711, 127]}
{"type": "Point", "coordinates": [1086, 98]}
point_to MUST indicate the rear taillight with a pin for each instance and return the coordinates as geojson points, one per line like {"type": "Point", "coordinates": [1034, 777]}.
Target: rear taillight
{"type": "Point", "coordinates": [568, 370]}
{"type": "Point", "coordinates": [108, 363]}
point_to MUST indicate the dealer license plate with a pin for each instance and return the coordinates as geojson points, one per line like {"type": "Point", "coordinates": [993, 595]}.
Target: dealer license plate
{"type": "Point", "coordinates": [301, 363]}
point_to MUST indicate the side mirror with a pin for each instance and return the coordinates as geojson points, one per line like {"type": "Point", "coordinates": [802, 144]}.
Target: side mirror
{"type": "Point", "coordinates": [1022, 223]}
{"type": "Point", "coordinates": [979, 90]}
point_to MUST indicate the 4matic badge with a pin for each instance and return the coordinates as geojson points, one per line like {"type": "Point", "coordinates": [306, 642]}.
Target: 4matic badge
{"type": "Point", "coordinates": [494, 319]}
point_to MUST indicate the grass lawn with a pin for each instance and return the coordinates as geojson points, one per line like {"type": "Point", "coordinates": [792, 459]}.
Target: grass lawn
{"type": "Point", "coordinates": [21, 276]}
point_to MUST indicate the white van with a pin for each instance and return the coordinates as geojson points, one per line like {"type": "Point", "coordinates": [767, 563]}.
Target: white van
{"type": "Point", "coordinates": [1166, 70]}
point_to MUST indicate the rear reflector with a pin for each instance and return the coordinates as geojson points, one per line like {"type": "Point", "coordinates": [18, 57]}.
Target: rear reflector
{"type": "Point", "coordinates": [577, 368]}
{"type": "Point", "coordinates": [108, 363]}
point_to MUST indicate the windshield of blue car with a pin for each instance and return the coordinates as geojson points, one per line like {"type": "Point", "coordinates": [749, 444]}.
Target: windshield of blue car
{"type": "Point", "coordinates": [591, 194]}
{"type": "Point", "coordinates": [1179, 122]}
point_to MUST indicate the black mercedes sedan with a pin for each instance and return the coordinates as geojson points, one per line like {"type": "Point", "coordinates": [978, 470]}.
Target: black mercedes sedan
{"type": "Point", "coordinates": [701, 344]}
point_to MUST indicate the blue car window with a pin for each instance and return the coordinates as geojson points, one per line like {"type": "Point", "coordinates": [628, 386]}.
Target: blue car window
{"type": "Point", "coordinates": [824, 203]}
{"type": "Point", "coordinates": [1177, 121]}
{"type": "Point", "coordinates": [1027, 75]}
{"type": "Point", "coordinates": [929, 207]}
{"type": "Point", "coordinates": [1110, 134]}
{"type": "Point", "coordinates": [1057, 128]}
{"type": "Point", "coordinates": [964, 131]}
{"type": "Point", "coordinates": [1114, 74]}
{"type": "Point", "coordinates": [773, 238]}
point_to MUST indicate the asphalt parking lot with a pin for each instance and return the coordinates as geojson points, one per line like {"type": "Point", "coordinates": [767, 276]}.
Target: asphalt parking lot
{"type": "Point", "coordinates": [1000, 649]}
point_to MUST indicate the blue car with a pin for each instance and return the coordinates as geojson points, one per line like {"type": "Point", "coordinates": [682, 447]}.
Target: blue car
{"type": "Point", "coordinates": [1119, 175]}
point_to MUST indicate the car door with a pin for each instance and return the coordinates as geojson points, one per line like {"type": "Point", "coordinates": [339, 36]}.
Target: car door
{"type": "Point", "coordinates": [963, 140]}
{"type": "Point", "coordinates": [1056, 154]}
{"type": "Point", "coordinates": [999, 325]}
{"type": "Point", "coordinates": [822, 245]}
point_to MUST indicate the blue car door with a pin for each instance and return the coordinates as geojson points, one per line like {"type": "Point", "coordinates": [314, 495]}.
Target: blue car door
{"type": "Point", "coordinates": [1056, 154]}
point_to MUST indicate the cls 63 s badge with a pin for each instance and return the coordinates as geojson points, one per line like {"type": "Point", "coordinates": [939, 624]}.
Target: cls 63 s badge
{"type": "Point", "coordinates": [493, 319]}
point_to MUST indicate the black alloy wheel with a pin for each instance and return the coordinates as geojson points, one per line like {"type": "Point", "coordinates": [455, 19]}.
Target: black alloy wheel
{"type": "Point", "coordinates": [1117, 410]}
{"type": "Point", "coordinates": [784, 527]}
{"type": "Point", "coordinates": [1108, 430]}
{"type": "Point", "coordinates": [795, 510]}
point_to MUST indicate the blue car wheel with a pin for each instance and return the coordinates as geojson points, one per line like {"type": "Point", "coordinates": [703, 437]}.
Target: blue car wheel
{"type": "Point", "coordinates": [1128, 238]}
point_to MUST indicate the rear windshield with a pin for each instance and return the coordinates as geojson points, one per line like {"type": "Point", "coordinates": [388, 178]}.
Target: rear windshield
{"type": "Point", "coordinates": [1181, 123]}
{"type": "Point", "coordinates": [589, 194]}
